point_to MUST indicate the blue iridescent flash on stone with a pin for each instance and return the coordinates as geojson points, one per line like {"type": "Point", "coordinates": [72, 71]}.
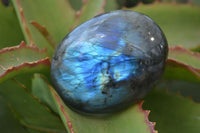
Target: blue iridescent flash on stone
{"type": "Point", "coordinates": [109, 62]}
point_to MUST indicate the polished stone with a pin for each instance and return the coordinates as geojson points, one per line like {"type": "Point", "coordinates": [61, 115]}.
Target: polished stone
{"type": "Point", "coordinates": [109, 62]}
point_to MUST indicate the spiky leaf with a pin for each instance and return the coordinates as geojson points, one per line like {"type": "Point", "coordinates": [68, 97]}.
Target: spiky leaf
{"type": "Point", "coordinates": [173, 113]}
{"type": "Point", "coordinates": [133, 119]}
{"type": "Point", "coordinates": [28, 110]}
{"type": "Point", "coordinates": [22, 59]}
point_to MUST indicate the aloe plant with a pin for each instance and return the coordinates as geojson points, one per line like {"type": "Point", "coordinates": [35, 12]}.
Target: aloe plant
{"type": "Point", "coordinates": [31, 29]}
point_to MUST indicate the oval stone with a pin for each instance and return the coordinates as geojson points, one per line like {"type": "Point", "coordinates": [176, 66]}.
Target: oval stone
{"type": "Point", "coordinates": [109, 62]}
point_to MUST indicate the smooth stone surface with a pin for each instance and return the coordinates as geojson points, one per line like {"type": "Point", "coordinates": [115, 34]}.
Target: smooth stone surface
{"type": "Point", "coordinates": [109, 62]}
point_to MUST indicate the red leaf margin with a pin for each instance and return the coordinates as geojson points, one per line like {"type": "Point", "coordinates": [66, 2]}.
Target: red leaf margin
{"type": "Point", "coordinates": [69, 124]}
{"type": "Point", "coordinates": [184, 50]}
{"type": "Point", "coordinates": [174, 62]}
{"type": "Point", "coordinates": [146, 114]}
{"type": "Point", "coordinates": [150, 124]}
{"type": "Point", "coordinates": [195, 71]}
{"type": "Point", "coordinates": [43, 62]}
{"type": "Point", "coordinates": [22, 45]}
{"type": "Point", "coordinates": [24, 22]}
{"type": "Point", "coordinates": [45, 34]}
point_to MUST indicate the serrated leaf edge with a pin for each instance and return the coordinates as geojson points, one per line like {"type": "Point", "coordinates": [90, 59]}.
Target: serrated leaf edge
{"type": "Point", "coordinates": [146, 114]}
{"type": "Point", "coordinates": [45, 61]}
{"type": "Point", "coordinates": [22, 45]}
{"type": "Point", "coordinates": [68, 123]}
{"type": "Point", "coordinates": [150, 124]}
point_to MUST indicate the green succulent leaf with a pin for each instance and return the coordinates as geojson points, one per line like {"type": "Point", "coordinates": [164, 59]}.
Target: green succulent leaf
{"type": "Point", "coordinates": [32, 105]}
{"type": "Point", "coordinates": [196, 49]}
{"type": "Point", "coordinates": [111, 5]}
{"type": "Point", "coordinates": [10, 32]}
{"type": "Point", "coordinates": [172, 113]}
{"type": "Point", "coordinates": [59, 18]}
{"type": "Point", "coordinates": [182, 72]}
{"type": "Point", "coordinates": [41, 90]}
{"type": "Point", "coordinates": [120, 122]}
{"type": "Point", "coordinates": [186, 89]}
{"type": "Point", "coordinates": [27, 108]}
{"type": "Point", "coordinates": [183, 55]}
{"type": "Point", "coordinates": [174, 71]}
{"type": "Point", "coordinates": [76, 4]}
{"type": "Point", "coordinates": [133, 119]}
{"type": "Point", "coordinates": [182, 61]}
{"type": "Point", "coordinates": [45, 33]}
{"type": "Point", "coordinates": [22, 59]}
{"type": "Point", "coordinates": [196, 2]}
{"type": "Point", "coordinates": [179, 22]}
{"type": "Point", "coordinates": [90, 8]}
{"type": "Point", "coordinates": [56, 16]}
{"type": "Point", "coordinates": [8, 123]}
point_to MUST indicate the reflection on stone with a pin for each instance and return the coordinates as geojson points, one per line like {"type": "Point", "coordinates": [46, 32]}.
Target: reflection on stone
{"type": "Point", "coordinates": [109, 62]}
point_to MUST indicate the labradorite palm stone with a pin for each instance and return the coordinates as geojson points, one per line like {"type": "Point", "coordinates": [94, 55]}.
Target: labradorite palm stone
{"type": "Point", "coordinates": [109, 62]}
